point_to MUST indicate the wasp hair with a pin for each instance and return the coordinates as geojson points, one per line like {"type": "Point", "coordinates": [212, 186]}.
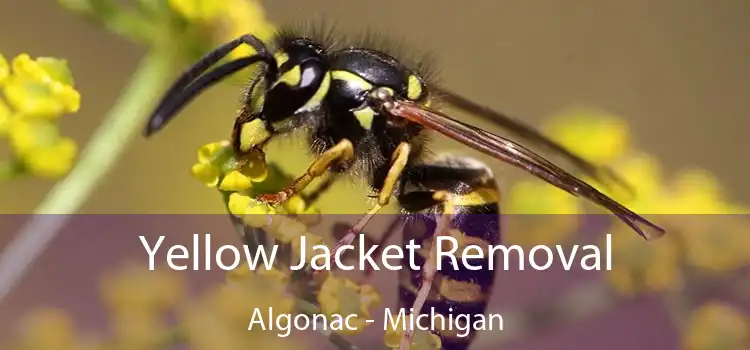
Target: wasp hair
{"type": "Point", "coordinates": [331, 37]}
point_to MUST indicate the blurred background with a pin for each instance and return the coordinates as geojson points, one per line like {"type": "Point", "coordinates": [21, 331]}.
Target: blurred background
{"type": "Point", "coordinates": [674, 71]}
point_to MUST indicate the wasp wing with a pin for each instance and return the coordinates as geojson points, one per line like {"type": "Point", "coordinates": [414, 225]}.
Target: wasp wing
{"type": "Point", "coordinates": [600, 174]}
{"type": "Point", "coordinates": [519, 156]}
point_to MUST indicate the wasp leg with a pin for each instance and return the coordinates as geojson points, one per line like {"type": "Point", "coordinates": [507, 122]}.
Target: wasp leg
{"type": "Point", "coordinates": [429, 269]}
{"type": "Point", "coordinates": [398, 163]}
{"type": "Point", "coordinates": [312, 197]}
{"type": "Point", "coordinates": [341, 152]}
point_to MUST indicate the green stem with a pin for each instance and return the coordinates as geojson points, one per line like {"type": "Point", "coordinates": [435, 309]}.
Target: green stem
{"type": "Point", "coordinates": [95, 162]}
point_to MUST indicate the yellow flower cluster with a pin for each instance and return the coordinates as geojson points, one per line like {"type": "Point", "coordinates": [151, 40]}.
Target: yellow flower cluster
{"type": "Point", "coordinates": [539, 214]}
{"type": "Point", "coordinates": [606, 136]}
{"type": "Point", "coordinates": [640, 266]}
{"type": "Point", "coordinates": [230, 18]}
{"type": "Point", "coordinates": [543, 214]}
{"type": "Point", "coordinates": [702, 232]}
{"type": "Point", "coordinates": [48, 329]}
{"type": "Point", "coordinates": [37, 92]}
{"type": "Point", "coordinates": [151, 310]}
{"type": "Point", "coordinates": [717, 325]}
{"type": "Point", "coordinates": [218, 167]}
{"type": "Point", "coordinates": [220, 320]}
{"type": "Point", "coordinates": [344, 297]}
{"type": "Point", "coordinates": [138, 300]}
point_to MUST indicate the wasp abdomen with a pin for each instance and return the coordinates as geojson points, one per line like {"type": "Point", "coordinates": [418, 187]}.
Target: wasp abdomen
{"type": "Point", "coordinates": [463, 284]}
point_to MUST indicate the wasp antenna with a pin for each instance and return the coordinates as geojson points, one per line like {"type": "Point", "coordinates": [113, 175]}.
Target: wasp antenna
{"type": "Point", "coordinates": [169, 108]}
{"type": "Point", "coordinates": [186, 87]}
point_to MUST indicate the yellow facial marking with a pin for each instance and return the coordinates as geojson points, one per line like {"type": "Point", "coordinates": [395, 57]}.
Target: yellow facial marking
{"type": "Point", "coordinates": [320, 94]}
{"type": "Point", "coordinates": [281, 58]}
{"type": "Point", "coordinates": [252, 134]}
{"type": "Point", "coordinates": [365, 117]}
{"type": "Point", "coordinates": [351, 78]}
{"type": "Point", "coordinates": [414, 88]}
{"type": "Point", "coordinates": [291, 77]}
{"type": "Point", "coordinates": [478, 197]}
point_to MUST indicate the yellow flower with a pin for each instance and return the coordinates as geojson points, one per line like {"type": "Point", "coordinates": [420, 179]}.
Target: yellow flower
{"type": "Point", "coordinates": [252, 212]}
{"type": "Point", "coordinates": [238, 204]}
{"type": "Point", "coordinates": [54, 161]}
{"type": "Point", "coordinates": [714, 242]}
{"type": "Point", "coordinates": [6, 117]}
{"type": "Point", "coordinates": [205, 173]}
{"type": "Point", "coordinates": [641, 266]}
{"type": "Point", "coordinates": [697, 192]}
{"type": "Point", "coordinates": [199, 10]}
{"type": "Point", "coordinates": [37, 92]}
{"type": "Point", "coordinates": [231, 19]}
{"type": "Point", "coordinates": [41, 148]}
{"type": "Point", "coordinates": [47, 329]}
{"type": "Point", "coordinates": [717, 326]}
{"type": "Point", "coordinates": [235, 181]}
{"type": "Point", "coordinates": [597, 136]}
{"type": "Point", "coordinates": [41, 87]}
{"type": "Point", "coordinates": [340, 296]}
{"type": "Point", "coordinates": [216, 161]}
{"type": "Point", "coordinates": [209, 151]}
{"type": "Point", "coordinates": [237, 301]}
{"type": "Point", "coordinates": [44, 69]}
{"type": "Point", "coordinates": [213, 322]}
{"type": "Point", "coordinates": [244, 17]}
{"type": "Point", "coordinates": [311, 240]}
{"type": "Point", "coordinates": [540, 214]}
{"type": "Point", "coordinates": [644, 173]}
{"type": "Point", "coordinates": [138, 329]}
{"type": "Point", "coordinates": [285, 228]}
{"type": "Point", "coordinates": [421, 340]}
{"type": "Point", "coordinates": [713, 239]}
{"type": "Point", "coordinates": [295, 205]}
{"type": "Point", "coordinates": [537, 197]}
{"type": "Point", "coordinates": [4, 69]}
{"type": "Point", "coordinates": [135, 288]}
{"type": "Point", "coordinates": [272, 278]}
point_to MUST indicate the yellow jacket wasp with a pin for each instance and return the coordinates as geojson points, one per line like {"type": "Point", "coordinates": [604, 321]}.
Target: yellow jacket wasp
{"type": "Point", "coordinates": [367, 113]}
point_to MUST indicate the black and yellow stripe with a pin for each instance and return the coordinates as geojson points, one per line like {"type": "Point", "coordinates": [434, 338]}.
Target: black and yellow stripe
{"type": "Point", "coordinates": [474, 203]}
